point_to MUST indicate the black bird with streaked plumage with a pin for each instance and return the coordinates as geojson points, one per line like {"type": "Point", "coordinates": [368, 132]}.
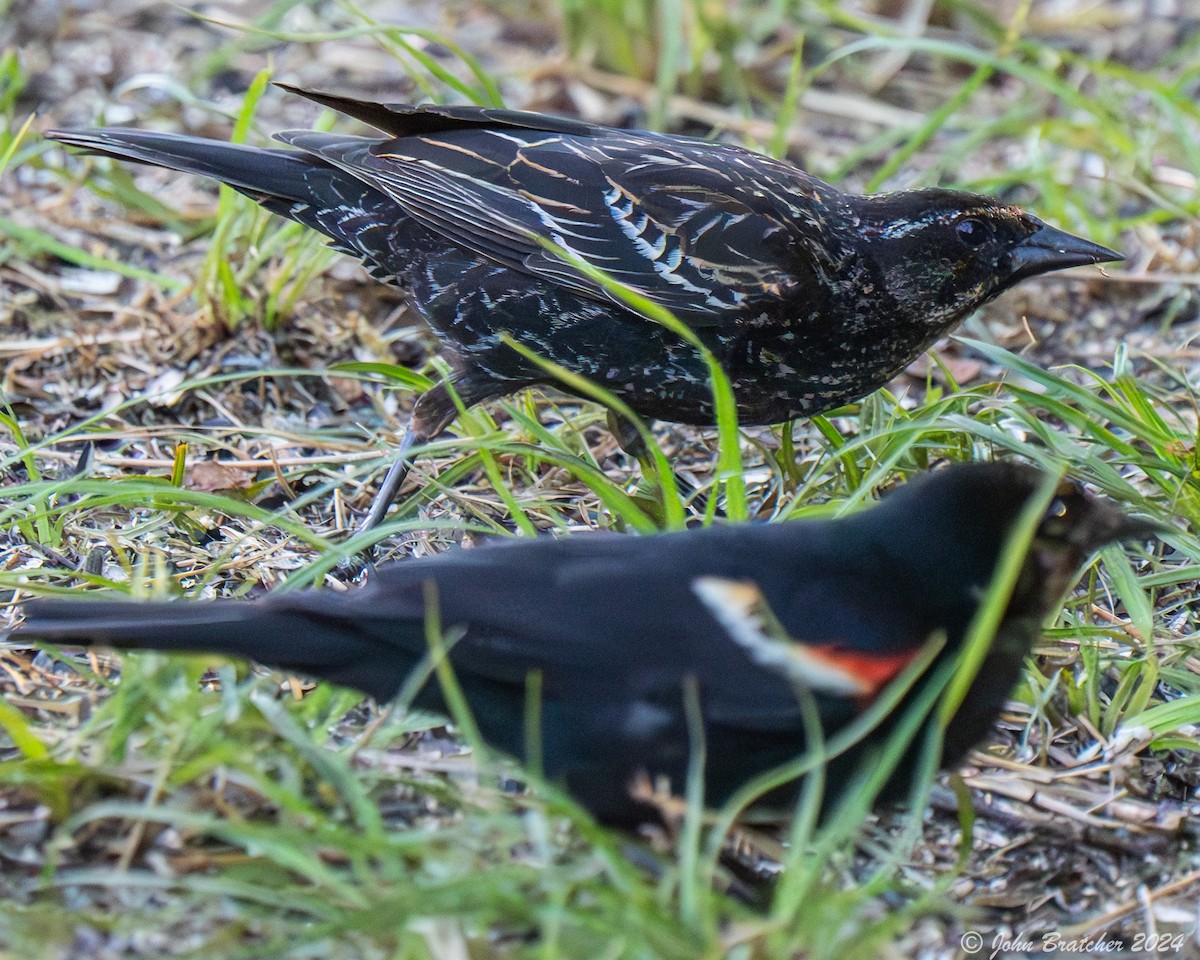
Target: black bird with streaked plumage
{"type": "Point", "coordinates": [810, 298]}
{"type": "Point", "coordinates": [618, 627]}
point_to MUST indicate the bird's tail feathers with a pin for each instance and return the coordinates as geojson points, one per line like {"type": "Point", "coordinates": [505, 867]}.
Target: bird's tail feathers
{"type": "Point", "coordinates": [276, 632]}
{"type": "Point", "coordinates": [260, 173]}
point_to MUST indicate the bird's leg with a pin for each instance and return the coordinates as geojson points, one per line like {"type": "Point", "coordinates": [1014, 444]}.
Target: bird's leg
{"type": "Point", "coordinates": [396, 475]}
{"type": "Point", "coordinates": [433, 412]}
{"type": "Point", "coordinates": [630, 439]}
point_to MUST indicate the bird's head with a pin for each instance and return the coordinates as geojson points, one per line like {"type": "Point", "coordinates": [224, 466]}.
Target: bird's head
{"type": "Point", "coordinates": [1075, 526]}
{"type": "Point", "coordinates": [963, 516]}
{"type": "Point", "coordinates": [945, 252]}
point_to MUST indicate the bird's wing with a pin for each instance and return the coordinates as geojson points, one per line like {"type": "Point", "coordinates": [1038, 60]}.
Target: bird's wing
{"type": "Point", "coordinates": [415, 120]}
{"type": "Point", "coordinates": [824, 668]}
{"type": "Point", "coordinates": [697, 228]}
{"type": "Point", "coordinates": [596, 611]}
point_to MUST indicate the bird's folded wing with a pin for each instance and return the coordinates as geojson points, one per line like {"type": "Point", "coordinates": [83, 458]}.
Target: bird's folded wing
{"type": "Point", "coordinates": [823, 668]}
{"type": "Point", "coordinates": [415, 120]}
{"type": "Point", "coordinates": [653, 218]}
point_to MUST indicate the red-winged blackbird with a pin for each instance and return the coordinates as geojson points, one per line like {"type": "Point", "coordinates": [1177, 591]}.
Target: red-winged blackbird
{"type": "Point", "coordinates": [616, 625]}
{"type": "Point", "coordinates": [810, 298]}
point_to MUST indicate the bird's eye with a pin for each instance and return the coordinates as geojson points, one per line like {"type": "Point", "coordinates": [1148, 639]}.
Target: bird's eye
{"type": "Point", "coordinates": [1062, 507]}
{"type": "Point", "coordinates": [973, 231]}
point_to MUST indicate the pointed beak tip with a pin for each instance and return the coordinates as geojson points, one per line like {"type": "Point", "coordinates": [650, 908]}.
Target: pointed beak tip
{"type": "Point", "coordinates": [1142, 529]}
{"type": "Point", "coordinates": [1070, 248]}
{"type": "Point", "coordinates": [1051, 249]}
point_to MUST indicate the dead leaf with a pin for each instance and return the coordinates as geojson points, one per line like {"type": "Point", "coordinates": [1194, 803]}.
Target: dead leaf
{"type": "Point", "coordinates": [212, 476]}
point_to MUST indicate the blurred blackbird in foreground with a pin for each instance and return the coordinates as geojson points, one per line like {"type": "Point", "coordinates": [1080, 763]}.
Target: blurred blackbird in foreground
{"type": "Point", "coordinates": [619, 626]}
{"type": "Point", "coordinates": [810, 298]}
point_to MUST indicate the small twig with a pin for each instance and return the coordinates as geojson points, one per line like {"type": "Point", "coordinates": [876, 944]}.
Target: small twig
{"type": "Point", "coordinates": [1099, 923]}
{"type": "Point", "coordinates": [1111, 618]}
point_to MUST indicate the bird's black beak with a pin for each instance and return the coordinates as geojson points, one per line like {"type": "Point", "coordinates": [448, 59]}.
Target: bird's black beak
{"type": "Point", "coordinates": [1106, 523]}
{"type": "Point", "coordinates": [1052, 249]}
{"type": "Point", "coordinates": [1140, 529]}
